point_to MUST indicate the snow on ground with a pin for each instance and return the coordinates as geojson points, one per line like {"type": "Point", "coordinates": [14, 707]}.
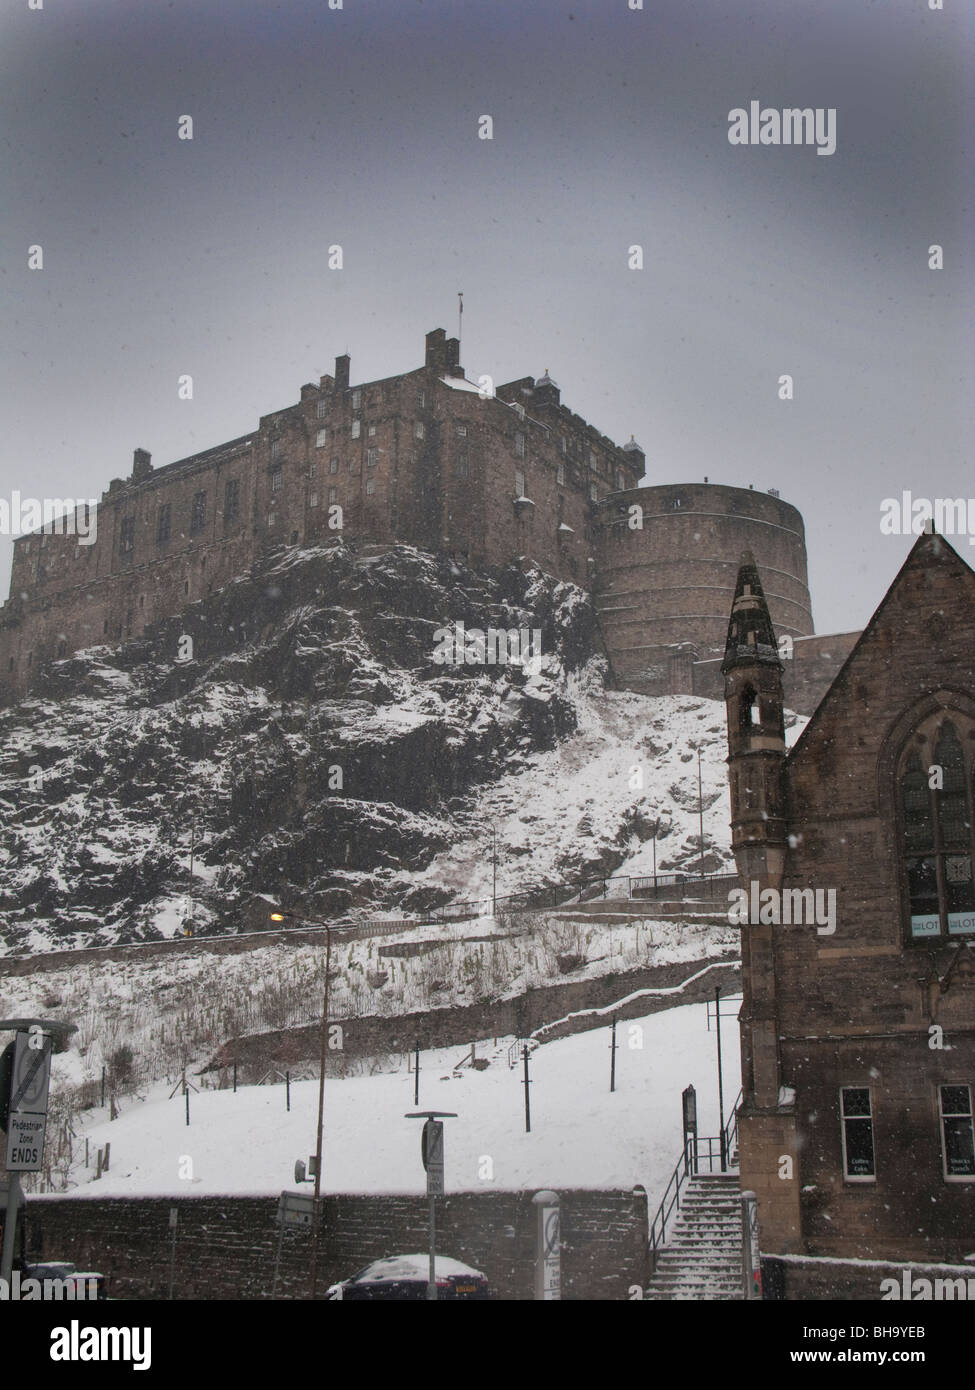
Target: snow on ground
{"type": "Point", "coordinates": [582, 1135]}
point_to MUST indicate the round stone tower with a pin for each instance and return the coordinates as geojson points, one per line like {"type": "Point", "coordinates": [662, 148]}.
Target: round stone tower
{"type": "Point", "coordinates": [665, 579]}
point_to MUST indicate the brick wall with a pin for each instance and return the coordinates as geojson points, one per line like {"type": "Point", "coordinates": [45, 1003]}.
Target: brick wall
{"type": "Point", "coordinates": [806, 1278]}
{"type": "Point", "coordinates": [225, 1247]}
{"type": "Point", "coordinates": [672, 581]}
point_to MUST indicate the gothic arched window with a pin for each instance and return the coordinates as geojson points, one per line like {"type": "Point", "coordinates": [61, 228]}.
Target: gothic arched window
{"type": "Point", "coordinates": [938, 838]}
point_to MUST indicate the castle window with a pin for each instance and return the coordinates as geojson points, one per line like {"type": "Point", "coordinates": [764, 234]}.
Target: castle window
{"type": "Point", "coordinates": [593, 493]}
{"type": "Point", "coordinates": [620, 480]}
{"type": "Point", "coordinates": [421, 399]}
{"type": "Point", "coordinates": [312, 469]}
{"type": "Point", "coordinates": [127, 535]}
{"type": "Point", "coordinates": [563, 447]}
{"type": "Point", "coordinates": [592, 459]}
{"type": "Point", "coordinates": [30, 658]}
{"type": "Point", "coordinates": [560, 473]}
{"type": "Point", "coordinates": [957, 1134]}
{"type": "Point", "coordinates": [320, 439]}
{"type": "Point", "coordinates": [275, 448]}
{"type": "Point", "coordinates": [313, 499]}
{"type": "Point", "coordinates": [333, 494]}
{"type": "Point", "coordinates": [372, 458]}
{"type": "Point", "coordinates": [370, 486]}
{"type": "Point", "coordinates": [859, 1164]}
{"type": "Point", "coordinates": [371, 431]}
{"type": "Point", "coordinates": [105, 627]}
{"type": "Point", "coordinates": [519, 484]}
{"type": "Point", "coordinates": [419, 430]}
{"type": "Point", "coordinates": [462, 431]}
{"type": "Point", "coordinates": [321, 410]}
{"type": "Point", "coordinates": [62, 648]}
{"type": "Point", "coordinates": [333, 465]}
{"type": "Point", "coordinates": [231, 500]}
{"type": "Point", "coordinates": [277, 475]}
{"type": "Point", "coordinates": [356, 428]}
{"type": "Point", "coordinates": [199, 514]}
{"type": "Point", "coordinates": [356, 399]}
{"type": "Point", "coordinates": [461, 467]}
{"type": "Point", "coordinates": [354, 465]}
{"type": "Point", "coordinates": [164, 523]}
{"type": "Point", "coordinates": [520, 444]}
{"type": "Point", "coordinates": [939, 844]}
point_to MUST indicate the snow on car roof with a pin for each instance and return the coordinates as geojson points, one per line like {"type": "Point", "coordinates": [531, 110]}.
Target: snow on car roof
{"type": "Point", "coordinates": [413, 1267]}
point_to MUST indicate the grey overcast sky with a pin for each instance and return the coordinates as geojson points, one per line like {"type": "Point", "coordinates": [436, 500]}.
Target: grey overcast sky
{"type": "Point", "coordinates": [359, 126]}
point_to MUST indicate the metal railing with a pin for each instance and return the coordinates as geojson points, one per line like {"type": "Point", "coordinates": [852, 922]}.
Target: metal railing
{"type": "Point", "coordinates": [622, 886]}
{"type": "Point", "coordinates": [715, 1150]}
{"type": "Point", "coordinates": [683, 1169]}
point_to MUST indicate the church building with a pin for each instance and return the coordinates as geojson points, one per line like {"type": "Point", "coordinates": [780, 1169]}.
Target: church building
{"type": "Point", "coordinates": [854, 851]}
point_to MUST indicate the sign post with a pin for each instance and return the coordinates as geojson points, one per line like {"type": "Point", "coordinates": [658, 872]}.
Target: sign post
{"type": "Point", "coordinates": [23, 1109]}
{"type": "Point", "coordinates": [431, 1152]}
{"type": "Point", "coordinates": [548, 1246]}
{"type": "Point", "coordinates": [689, 1104]}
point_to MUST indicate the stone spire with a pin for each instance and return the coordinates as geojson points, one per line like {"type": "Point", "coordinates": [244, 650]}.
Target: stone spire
{"type": "Point", "coordinates": [751, 637]}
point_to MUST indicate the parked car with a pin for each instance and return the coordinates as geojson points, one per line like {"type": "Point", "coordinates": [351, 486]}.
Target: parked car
{"type": "Point", "coordinates": [405, 1277]}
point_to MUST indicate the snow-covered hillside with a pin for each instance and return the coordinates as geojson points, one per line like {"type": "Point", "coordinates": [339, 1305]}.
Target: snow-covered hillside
{"type": "Point", "coordinates": [313, 752]}
{"type": "Point", "coordinates": [582, 1135]}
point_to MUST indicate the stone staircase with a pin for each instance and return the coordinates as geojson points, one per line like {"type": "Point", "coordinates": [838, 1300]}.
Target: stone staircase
{"type": "Point", "coordinates": [702, 1259]}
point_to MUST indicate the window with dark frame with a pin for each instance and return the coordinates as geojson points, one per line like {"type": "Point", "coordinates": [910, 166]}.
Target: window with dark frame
{"type": "Point", "coordinates": [859, 1163]}
{"type": "Point", "coordinates": [938, 840]}
{"type": "Point", "coordinates": [231, 501]}
{"type": "Point", "coordinates": [199, 514]}
{"type": "Point", "coordinates": [127, 535]}
{"type": "Point", "coordinates": [957, 1132]}
{"type": "Point", "coordinates": [164, 523]}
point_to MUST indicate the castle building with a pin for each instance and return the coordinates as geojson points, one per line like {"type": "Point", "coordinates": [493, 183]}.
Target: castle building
{"type": "Point", "coordinates": [491, 475]}
{"type": "Point", "coordinates": [854, 852]}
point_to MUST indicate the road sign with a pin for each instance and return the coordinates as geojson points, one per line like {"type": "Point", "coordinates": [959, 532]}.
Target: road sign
{"type": "Point", "coordinates": [29, 1086]}
{"type": "Point", "coordinates": [296, 1209]}
{"type": "Point", "coordinates": [432, 1149]}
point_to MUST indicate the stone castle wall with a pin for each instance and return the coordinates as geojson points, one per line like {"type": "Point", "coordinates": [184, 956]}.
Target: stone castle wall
{"type": "Point", "coordinates": [422, 458]}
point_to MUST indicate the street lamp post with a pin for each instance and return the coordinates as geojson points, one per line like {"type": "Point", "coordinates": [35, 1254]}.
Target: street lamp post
{"type": "Point", "coordinates": [494, 871]}
{"type": "Point", "coordinates": [280, 916]}
{"type": "Point", "coordinates": [700, 812]}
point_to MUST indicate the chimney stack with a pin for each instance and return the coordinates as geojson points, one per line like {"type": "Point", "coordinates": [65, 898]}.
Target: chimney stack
{"type": "Point", "coordinates": [141, 465]}
{"type": "Point", "coordinates": [342, 365]}
{"type": "Point", "coordinates": [436, 356]}
{"type": "Point", "coordinates": [452, 358]}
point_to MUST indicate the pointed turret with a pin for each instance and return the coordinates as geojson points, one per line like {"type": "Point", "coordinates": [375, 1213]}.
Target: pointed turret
{"type": "Point", "coordinates": [756, 774]}
{"type": "Point", "coordinates": [750, 635]}
{"type": "Point", "coordinates": [756, 732]}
